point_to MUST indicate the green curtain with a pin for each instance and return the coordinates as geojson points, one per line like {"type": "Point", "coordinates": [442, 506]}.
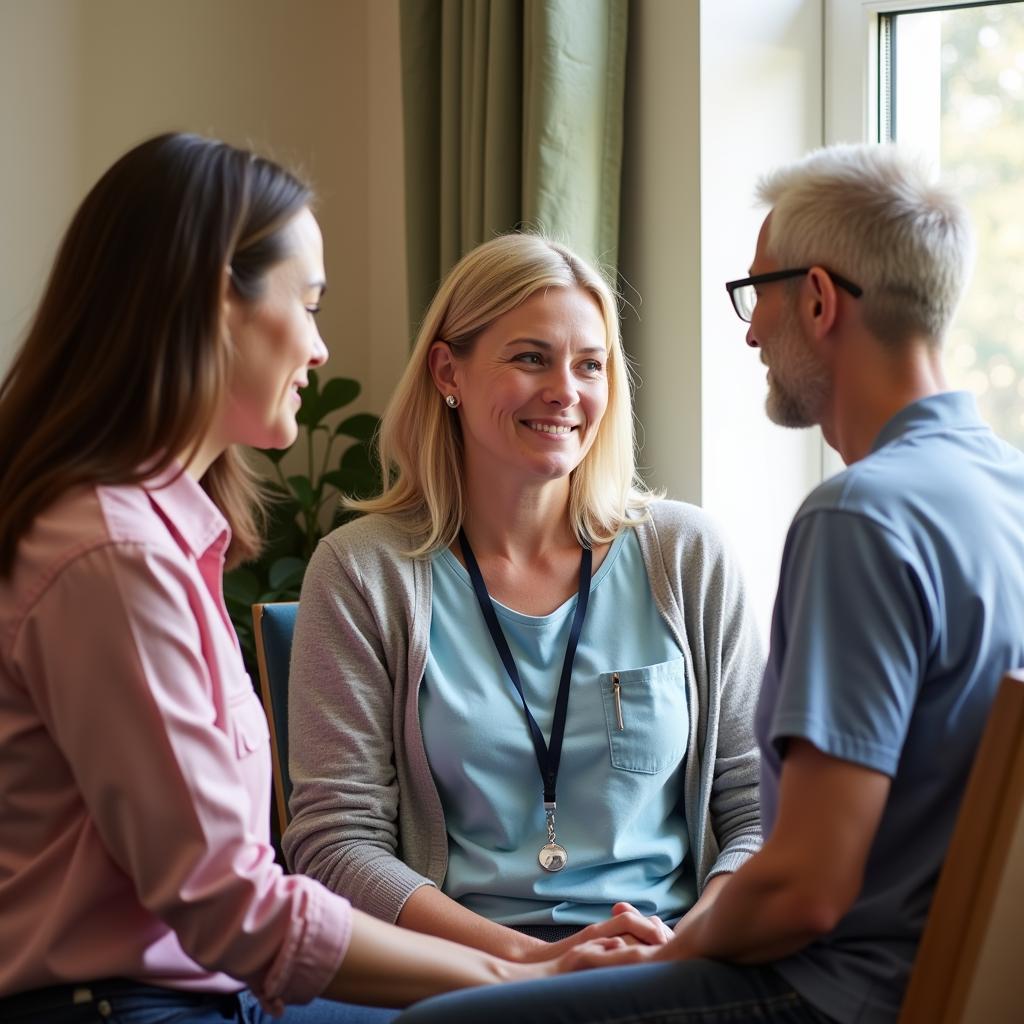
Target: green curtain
{"type": "Point", "coordinates": [513, 118]}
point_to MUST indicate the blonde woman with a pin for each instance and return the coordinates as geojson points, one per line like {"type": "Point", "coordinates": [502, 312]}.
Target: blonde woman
{"type": "Point", "coordinates": [522, 688]}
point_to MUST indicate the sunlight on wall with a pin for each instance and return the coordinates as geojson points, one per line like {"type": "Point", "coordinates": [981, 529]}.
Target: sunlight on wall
{"type": "Point", "coordinates": [313, 83]}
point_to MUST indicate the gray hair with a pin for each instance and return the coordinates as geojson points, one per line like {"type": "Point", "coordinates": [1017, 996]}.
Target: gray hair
{"type": "Point", "coordinates": [873, 214]}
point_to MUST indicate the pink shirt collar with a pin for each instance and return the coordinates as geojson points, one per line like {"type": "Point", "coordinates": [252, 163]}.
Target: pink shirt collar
{"type": "Point", "coordinates": [188, 510]}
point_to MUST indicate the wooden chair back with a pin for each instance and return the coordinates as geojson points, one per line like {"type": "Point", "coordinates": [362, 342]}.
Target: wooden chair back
{"type": "Point", "coordinates": [969, 968]}
{"type": "Point", "coordinates": [273, 625]}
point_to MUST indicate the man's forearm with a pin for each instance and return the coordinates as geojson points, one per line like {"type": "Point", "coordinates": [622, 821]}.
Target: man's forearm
{"type": "Point", "coordinates": [808, 873]}
{"type": "Point", "coordinates": [711, 890]}
{"type": "Point", "coordinates": [755, 916]}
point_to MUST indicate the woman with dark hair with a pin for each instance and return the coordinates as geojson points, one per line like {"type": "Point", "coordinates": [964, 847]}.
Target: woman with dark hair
{"type": "Point", "coordinates": [137, 882]}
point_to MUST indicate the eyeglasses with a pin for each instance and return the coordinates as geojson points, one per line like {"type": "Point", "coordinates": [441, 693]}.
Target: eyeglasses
{"type": "Point", "coordinates": [744, 294]}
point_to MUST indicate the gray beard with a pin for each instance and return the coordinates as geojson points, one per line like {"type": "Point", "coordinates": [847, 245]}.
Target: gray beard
{"type": "Point", "coordinates": [799, 398]}
{"type": "Point", "coordinates": [786, 410]}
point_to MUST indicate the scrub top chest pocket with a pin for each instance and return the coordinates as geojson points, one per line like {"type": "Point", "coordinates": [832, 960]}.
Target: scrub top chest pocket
{"type": "Point", "coordinates": [646, 714]}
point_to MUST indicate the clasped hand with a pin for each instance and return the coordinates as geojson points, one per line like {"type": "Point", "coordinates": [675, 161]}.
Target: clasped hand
{"type": "Point", "coordinates": [625, 937]}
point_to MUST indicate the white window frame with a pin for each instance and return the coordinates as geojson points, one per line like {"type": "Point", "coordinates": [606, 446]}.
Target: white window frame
{"type": "Point", "coordinates": [851, 85]}
{"type": "Point", "coordinates": [851, 63]}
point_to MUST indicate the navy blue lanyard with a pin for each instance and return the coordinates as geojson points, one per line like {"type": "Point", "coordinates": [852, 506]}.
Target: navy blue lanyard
{"type": "Point", "coordinates": [548, 755]}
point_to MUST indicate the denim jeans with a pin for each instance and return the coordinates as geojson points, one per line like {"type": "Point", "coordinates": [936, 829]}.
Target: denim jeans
{"type": "Point", "coordinates": [692, 992]}
{"type": "Point", "coordinates": [119, 1001]}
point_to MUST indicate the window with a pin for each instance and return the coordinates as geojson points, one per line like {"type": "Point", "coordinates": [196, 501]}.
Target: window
{"type": "Point", "coordinates": [952, 85]}
{"type": "Point", "coordinates": [948, 80]}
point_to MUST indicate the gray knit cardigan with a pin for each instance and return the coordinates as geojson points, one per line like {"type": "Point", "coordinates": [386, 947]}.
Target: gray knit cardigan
{"type": "Point", "coordinates": [366, 816]}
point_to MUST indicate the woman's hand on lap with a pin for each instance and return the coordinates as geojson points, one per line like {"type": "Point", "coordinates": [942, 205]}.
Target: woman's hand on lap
{"type": "Point", "coordinates": [664, 932]}
{"type": "Point", "coordinates": [605, 953]}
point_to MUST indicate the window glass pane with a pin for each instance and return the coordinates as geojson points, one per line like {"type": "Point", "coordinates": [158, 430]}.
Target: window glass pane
{"type": "Point", "coordinates": [958, 94]}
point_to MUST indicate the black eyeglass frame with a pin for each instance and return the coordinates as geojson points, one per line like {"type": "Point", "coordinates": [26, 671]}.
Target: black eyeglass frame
{"type": "Point", "coordinates": [781, 275]}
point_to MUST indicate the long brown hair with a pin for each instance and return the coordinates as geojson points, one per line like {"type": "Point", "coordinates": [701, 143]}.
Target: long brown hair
{"type": "Point", "coordinates": [125, 362]}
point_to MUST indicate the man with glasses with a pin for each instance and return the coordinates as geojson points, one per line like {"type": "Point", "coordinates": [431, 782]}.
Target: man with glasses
{"type": "Point", "coordinates": [900, 606]}
{"type": "Point", "coordinates": [787, 405]}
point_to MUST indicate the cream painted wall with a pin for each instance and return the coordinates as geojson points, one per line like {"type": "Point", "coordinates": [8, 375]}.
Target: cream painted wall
{"type": "Point", "coordinates": [313, 83]}
{"type": "Point", "coordinates": [38, 154]}
{"type": "Point", "coordinates": [724, 89]}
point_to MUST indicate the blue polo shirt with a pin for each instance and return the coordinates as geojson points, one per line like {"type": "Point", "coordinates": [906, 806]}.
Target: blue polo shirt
{"type": "Point", "coordinates": [620, 785]}
{"type": "Point", "coordinates": [900, 606]}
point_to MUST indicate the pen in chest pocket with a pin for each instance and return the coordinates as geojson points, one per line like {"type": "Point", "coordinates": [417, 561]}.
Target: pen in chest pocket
{"type": "Point", "coordinates": [617, 696]}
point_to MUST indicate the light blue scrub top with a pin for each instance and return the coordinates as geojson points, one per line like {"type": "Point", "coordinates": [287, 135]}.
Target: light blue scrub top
{"type": "Point", "coordinates": [620, 792]}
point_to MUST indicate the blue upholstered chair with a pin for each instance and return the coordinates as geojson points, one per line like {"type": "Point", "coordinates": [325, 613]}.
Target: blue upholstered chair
{"type": "Point", "coordinates": [273, 625]}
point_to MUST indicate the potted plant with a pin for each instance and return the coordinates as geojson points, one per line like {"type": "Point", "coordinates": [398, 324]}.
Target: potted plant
{"type": "Point", "coordinates": [305, 506]}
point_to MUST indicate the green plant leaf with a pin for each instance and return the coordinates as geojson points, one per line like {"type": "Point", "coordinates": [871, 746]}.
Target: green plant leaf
{"type": "Point", "coordinates": [357, 461]}
{"type": "Point", "coordinates": [276, 575]}
{"type": "Point", "coordinates": [309, 414]}
{"type": "Point", "coordinates": [286, 573]}
{"type": "Point", "coordinates": [284, 535]}
{"type": "Point", "coordinates": [362, 426]}
{"type": "Point", "coordinates": [336, 478]}
{"type": "Point", "coordinates": [275, 455]}
{"type": "Point", "coordinates": [303, 490]}
{"type": "Point", "coordinates": [360, 471]}
{"type": "Point", "coordinates": [241, 616]}
{"type": "Point", "coordinates": [338, 391]}
{"type": "Point", "coordinates": [242, 585]}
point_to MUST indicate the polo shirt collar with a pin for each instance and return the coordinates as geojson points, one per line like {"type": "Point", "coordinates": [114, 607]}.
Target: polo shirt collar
{"type": "Point", "coordinates": [949, 410]}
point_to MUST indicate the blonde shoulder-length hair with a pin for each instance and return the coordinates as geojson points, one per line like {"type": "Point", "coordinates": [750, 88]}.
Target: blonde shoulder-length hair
{"type": "Point", "coordinates": [420, 440]}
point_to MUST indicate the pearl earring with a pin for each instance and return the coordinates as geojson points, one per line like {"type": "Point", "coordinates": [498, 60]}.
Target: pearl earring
{"type": "Point", "coordinates": [452, 401]}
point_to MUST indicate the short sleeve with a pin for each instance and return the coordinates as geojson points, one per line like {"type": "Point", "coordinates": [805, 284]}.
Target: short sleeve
{"type": "Point", "coordinates": [849, 639]}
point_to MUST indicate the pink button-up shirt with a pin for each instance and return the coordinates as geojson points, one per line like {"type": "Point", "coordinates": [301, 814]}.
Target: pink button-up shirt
{"type": "Point", "coordinates": [135, 764]}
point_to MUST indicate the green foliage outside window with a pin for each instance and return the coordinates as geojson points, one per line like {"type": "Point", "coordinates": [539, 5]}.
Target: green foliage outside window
{"type": "Point", "coordinates": [982, 154]}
